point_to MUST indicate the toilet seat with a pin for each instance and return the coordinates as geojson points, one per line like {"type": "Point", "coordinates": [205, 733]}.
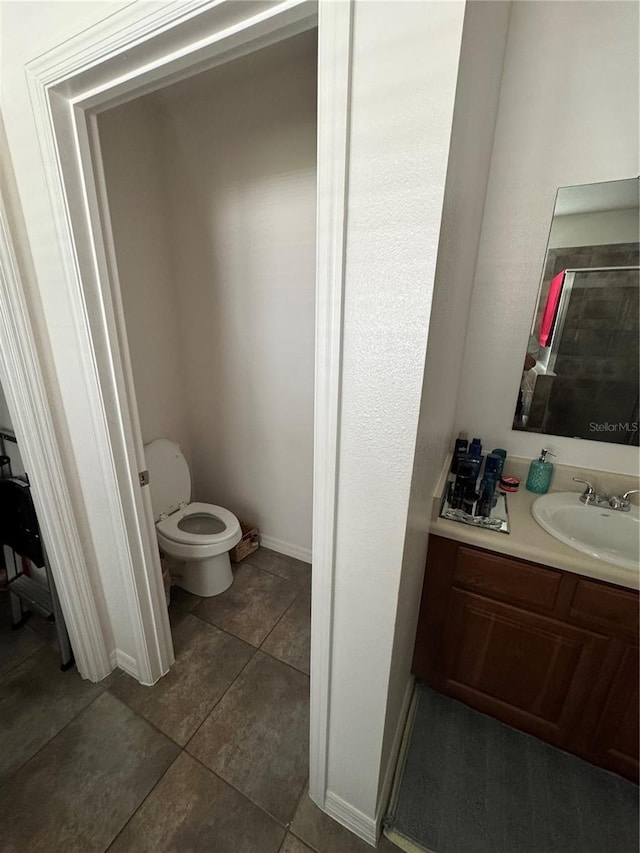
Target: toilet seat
{"type": "Point", "coordinates": [211, 531]}
{"type": "Point", "coordinates": [168, 527]}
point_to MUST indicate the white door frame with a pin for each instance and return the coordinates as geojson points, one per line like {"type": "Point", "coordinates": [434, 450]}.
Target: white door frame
{"type": "Point", "coordinates": [21, 356]}
{"type": "Point", "coordinates": [133, 52]}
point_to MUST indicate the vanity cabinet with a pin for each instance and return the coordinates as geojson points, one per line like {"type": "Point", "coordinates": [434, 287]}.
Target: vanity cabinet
{"type": "Point", "coordinates": [549, 652]}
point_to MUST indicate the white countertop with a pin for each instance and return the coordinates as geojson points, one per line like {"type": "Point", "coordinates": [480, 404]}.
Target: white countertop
{"type": "Point", "coordinates": [527, 540]}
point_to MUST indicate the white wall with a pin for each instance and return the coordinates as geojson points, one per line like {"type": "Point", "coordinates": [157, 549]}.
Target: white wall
{"type": "Point", "coordinates": [476, 103]}
{"type": "Point", "coordinates": [131, 138]}
{"type": "Point", "coordinates": [240, 162]}
{"type": "Point", "coordinates": [595, 229]}
{"type": "Point", "coordinates": [405, 62]}
{"type": "Point", "coordinates": [568, 115]}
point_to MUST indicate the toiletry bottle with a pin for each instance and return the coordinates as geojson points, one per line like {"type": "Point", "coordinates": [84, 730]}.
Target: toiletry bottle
{"type": "Point", "coordinates": [487, 492]}
{"type": "Point", "coordinates": [503, 456]}
{"type": "Point", "coordinates": [492, 468]}
{"type": "Point", "coordinates": [459, 451]}
{"type": "Point", "coordinates": [464, 486]}
{"type": "Point", "coordinates": [474, 457]}
{"type": "Point", "coordinates": [493, 465]}
{"type": "Point", "coordinates": [475, 448]}
{"type": "Point", "coordinates": [540, 473]}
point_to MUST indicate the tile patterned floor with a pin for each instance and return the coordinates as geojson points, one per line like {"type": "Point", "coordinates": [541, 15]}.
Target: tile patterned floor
{"type": "Point", "coordinates": [252, 606]}
{"type": "Point", "coordinates": [212, 758]}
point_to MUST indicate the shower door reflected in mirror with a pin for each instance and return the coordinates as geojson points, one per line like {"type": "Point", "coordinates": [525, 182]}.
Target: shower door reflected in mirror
{"type": "Point", "coordinates": [580, 375]}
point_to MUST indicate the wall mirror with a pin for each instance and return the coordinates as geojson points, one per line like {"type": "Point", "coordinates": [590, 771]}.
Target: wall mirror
{"type": "Point", "coordinates": [580, 375]}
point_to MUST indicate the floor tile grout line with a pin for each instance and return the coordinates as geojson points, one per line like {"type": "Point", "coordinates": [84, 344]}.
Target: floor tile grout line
{"type": "Point", "coordinates": [281, 618]}
{"type": "Point", "coordinates": [305, 792]}
{"type": "Point", "coordinates": [14, 666]}
{"type": "Point", "coordinates": [256, 648]}
{"type": "Point", "coordinates": [264, 651]}
{"type": "Point", "coordinates": [103, 690]}
{"type": "Point", "coordinates": [247, 560]}
{"type": "Point", "coordinates": [286, 663]}
{"type": "Point", "coordinates": [254, 652]}
{"type": "Point", "coordinates": [183, 746]}
{"type": "Point", "coordinates": [290, 829]}
{"type": "Point", "coordinates": [308, 843]}
{"type": "Point", "coordinates": [293, 835]}
{"type": "Point", "coordinates": [281, 823]}
{"type": "Point", "coordinates": [276, 575]}
{"type": "Point", "coordinates": [299, 586]}
{"type": "Point", "coordinates": [242, 639]}
{"type": "Point", "coordinates": [217, 702]}
{"type": "Point", "coordinates": [142, 716]}
{"type": "Point", "coordinates": [146, 796]}
{"type": "Point", "coordinates": [224, 630]}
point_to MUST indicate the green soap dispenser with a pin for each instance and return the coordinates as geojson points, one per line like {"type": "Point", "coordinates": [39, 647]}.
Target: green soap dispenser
{"type": "Point", "coordinates": [540, 473]}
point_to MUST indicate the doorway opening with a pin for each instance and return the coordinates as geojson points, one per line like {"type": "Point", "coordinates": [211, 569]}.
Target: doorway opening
{"type": "Point", "coordinates": [210, 185]}
{"type": "Point", "coordinates": [211, 190]}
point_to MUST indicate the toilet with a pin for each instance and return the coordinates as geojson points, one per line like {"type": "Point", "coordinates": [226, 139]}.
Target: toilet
{"type": "Point", "coordinates": [199, 535]}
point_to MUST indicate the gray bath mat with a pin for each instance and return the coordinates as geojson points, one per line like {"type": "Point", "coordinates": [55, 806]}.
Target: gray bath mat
{"type": "Point", "coordinates": [469, 784]}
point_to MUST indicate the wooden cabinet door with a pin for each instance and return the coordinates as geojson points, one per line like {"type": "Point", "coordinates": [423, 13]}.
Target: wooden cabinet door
{"type": "Point", "coordinates": [438, 578]}
{"type": "Point", "coordinates": [527, 669]}
{"type": "Point", "coordinates": [545, 651]}
{"type": "Point", "coordinates": [615, 740]}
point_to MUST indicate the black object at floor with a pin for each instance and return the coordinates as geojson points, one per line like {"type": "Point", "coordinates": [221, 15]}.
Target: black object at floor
{"type": "Point", "coordinates": [20, 532]}
{"type": "Point", "coordinates": [471, 784]}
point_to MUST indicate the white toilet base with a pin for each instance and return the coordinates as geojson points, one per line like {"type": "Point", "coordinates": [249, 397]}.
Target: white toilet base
{"type": "Point", "coordinates": [206, 577]}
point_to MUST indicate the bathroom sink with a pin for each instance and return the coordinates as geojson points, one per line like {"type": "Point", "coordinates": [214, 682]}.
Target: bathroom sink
{"type": "Point", "coordinates": [601, 532]}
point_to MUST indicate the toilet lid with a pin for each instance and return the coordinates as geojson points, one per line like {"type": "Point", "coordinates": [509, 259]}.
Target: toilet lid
{"type": "Point", "coordinates": [169, 477]}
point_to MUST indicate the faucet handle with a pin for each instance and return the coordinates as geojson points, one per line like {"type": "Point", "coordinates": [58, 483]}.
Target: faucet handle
{"type": "Point", "coordinates": [625, 497]}
{"type": "Point", "coordinates": [623, 501]}
{"type": "Point", "coordinates": [589, 495]}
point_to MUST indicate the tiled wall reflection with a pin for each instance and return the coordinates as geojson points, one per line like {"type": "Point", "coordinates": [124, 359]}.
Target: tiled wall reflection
{"type": "Point", "coordinates": [595, 390]}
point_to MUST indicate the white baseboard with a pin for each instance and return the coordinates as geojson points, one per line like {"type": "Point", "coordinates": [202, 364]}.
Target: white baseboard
{"type": "Point", "coordinates": [124, 662]}
{"type": "Point", "coordinates": [389, 773]}
{"type": "Point", "coordinates": [353, 819]}
{"type": "Point", "coordinates": [286, 548]}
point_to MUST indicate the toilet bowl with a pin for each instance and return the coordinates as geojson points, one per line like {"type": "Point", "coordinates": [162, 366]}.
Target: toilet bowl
{"type": "Point", "coordinates": [199, 535]}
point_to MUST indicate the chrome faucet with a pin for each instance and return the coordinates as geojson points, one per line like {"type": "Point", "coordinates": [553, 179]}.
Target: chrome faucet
{"type": "Point", "coordinates": [589, 497]}
{"type": "Point", "coordinates": [622, 502]}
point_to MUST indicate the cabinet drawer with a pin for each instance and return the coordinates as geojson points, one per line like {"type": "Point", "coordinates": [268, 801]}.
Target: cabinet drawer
{"type": "Point", "coordinates": [506, 579]}
{"type": "Point", "coordinates": [606, 606]}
